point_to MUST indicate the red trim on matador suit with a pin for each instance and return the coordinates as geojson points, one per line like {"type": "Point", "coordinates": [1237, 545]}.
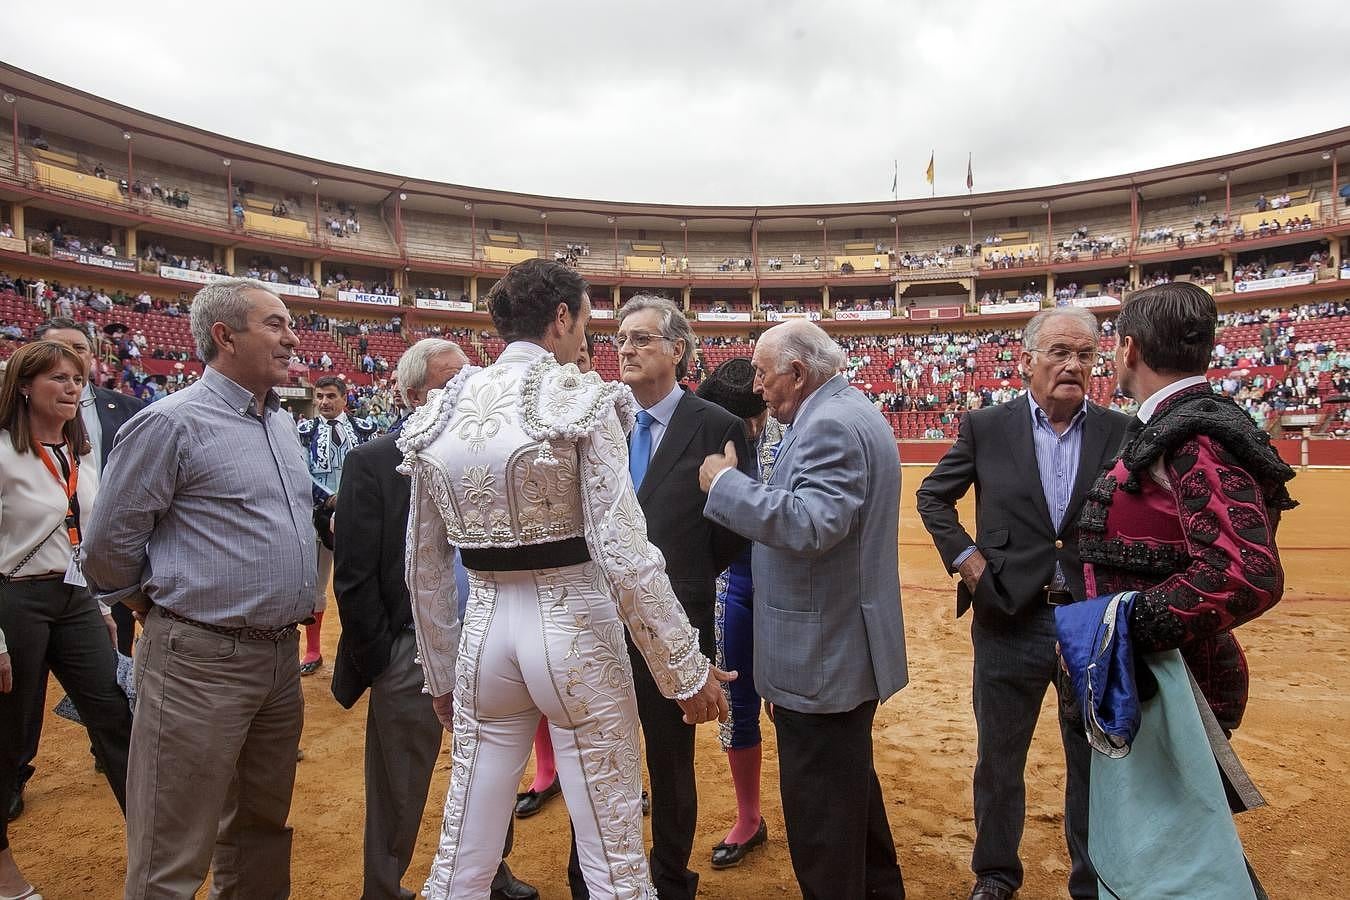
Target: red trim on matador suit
{"type": "Point", "coordinates": [1187, 515]}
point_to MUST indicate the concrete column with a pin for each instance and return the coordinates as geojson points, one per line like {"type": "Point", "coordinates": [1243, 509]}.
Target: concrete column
{"type": "Point", "coordinates": [687, 298]}
{"type": "Point", "coordinates": [973, 304]}
{"type": "Point", "coordinates": [1227, 266]}
{"type": "Point", "coordinates": [1333, 247]}
{"type": "Point", "coordinates": [473, 290]}
{"type": "Point", "coordinates": [1050, 287]}
{"type": "Point", "coordinates": [825, 297]}
{"type": "Point", "coordinates": [317, 274]}
{"type": "Point", "coordinates": [400, 281]}
{"type": "Point", "coordinates": [131, 243]}
{"type": "Point", "coordinates": [229, 260]}
{"type": "Point", "coordinates": [614, 297]}
{"type": "Point", "coordinates": [754, 300]}
{"type": "Point", "coordinates": [16, 212]}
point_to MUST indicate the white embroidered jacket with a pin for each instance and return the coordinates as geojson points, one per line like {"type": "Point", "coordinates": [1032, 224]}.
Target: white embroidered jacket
{"type": "Point", "coordinates": [526, 452]}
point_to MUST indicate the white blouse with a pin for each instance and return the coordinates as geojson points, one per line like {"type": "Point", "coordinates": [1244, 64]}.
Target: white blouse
{"type": "Point", "coordinates": [32, 503]}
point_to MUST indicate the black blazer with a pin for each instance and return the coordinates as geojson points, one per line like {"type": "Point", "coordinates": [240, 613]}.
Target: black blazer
{"type": "Point", "coordinates": [994, 451]}
{"type": "Point", "coordinates": [696, 549]}
{"type": "Point", "coordinates": [369, 537]}
{"type": "Point", "coordinates": [114, 410]}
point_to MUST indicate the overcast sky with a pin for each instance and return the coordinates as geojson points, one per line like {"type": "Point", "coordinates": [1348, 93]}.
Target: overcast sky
{"type": "Point", "coordinates": [738, 101]}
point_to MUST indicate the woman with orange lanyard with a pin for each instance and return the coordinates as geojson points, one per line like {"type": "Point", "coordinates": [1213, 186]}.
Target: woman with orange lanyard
{"type": "Point", "coordinates": [47, 617]}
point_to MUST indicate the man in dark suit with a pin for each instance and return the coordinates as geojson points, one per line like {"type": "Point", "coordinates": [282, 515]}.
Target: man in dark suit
{"type": "Point", "coordinates": [378, 649]}
{"type": "Point", "coordinates": [675, 430]}
{"type": "Point", "coordinates": [1022, 562]}
{"type": "Point", "coordinates": [103, 412]}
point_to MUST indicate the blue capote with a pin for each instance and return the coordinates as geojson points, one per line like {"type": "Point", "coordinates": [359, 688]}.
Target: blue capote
{"type": "Point", "coordinates": [1094, 642]}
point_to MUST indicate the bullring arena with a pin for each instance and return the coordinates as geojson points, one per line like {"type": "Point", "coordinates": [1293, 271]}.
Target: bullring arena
{"type": "Point", "coordinates": [105, 202]}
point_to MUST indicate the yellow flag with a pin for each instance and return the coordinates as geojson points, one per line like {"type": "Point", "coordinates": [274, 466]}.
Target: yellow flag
{"type": "Point", "coordinates": [929, 173]}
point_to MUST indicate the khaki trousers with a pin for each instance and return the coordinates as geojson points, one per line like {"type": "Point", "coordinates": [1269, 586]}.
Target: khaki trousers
{"type": "Point", "coordinates": [212, 763]}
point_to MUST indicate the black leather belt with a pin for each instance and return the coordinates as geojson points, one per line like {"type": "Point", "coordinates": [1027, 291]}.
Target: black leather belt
{"type": "Point", "coordinates": [243, 633]}
{"type": "Point", "coordinates": [1058, 598]}
{"type": "Point", "coordinates": [553, 555]}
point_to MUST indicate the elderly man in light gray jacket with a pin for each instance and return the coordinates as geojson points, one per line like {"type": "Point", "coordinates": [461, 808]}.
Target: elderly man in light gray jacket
{"type": "Point", "coordinates": [829, 635]}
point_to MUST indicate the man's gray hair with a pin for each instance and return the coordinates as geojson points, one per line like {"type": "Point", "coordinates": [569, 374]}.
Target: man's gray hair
{"type": "Point", "coordinates": [674, 326]}
{"type": "Point", "coordinates": [1032, 332]}
{"type": "Point", "coordinates": [412, 365]}
{"type": "Point", "coordinates": [221, 301]}
{"type": "Point", "coordinates": [806, 343]}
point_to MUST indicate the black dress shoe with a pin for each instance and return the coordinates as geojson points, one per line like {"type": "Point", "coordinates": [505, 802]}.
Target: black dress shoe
{"type": "Point", "coordinates": [530, 802]}
{"type": "Point", "coordinates": [506, 886]}
{"type": "Point", "coordinates": [989, 889]}
{"type": "Point", "coordinates": [15, 804]}
{"type": "Point", "coordinates": [725, 855]}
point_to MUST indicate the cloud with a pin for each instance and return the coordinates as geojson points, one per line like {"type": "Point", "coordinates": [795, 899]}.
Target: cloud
{"type": "Point", "coordinates": [750, 102]}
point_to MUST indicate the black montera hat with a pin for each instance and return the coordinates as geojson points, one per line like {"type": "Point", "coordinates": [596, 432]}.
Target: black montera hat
{"type": "Point", "coordinates": [732, 388]}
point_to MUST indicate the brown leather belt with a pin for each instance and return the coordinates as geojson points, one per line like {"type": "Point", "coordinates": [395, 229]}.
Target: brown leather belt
{"type": "Point", "coordinates": [242, 633]}
{"type": "Point", "coordinates": [49, 576]}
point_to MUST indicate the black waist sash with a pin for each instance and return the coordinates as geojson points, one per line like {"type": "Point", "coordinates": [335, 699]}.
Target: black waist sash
{"type": "Point", "coordinates": [553, 555]}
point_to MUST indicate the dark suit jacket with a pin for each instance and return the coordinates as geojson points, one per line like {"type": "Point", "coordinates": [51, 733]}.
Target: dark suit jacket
{"type": "Point", "coordinates": [114, 410]}
{"type": "Point", "coordinates": [995, 452]}
{"type": "Point", "coordinates": [696, 549]}
{"type": "Point", "coordinates": [370, 534]}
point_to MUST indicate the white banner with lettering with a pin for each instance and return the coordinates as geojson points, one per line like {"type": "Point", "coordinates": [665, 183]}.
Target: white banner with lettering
{"type": "Point", "coordinates": [724, 317]}
{"type": "Point", "coordinates": [1270, 284]}
{"type": "Point", "coordinates": [1021, 306]}
{"type": "Point", "coordinates": [452, 305]}
{"type": "Point", "coordinates": [774, 315]}
{"type": "Point", "coordinates": [197, 277]}
{"type": "Point", "coordinates": [1096, 302]}
{"type": "Point", "coordinates": [372, 299]}
{"type": "Point", "coordinates": [602, 313]}
{"type": "Point", "coordinates": [861, 315]}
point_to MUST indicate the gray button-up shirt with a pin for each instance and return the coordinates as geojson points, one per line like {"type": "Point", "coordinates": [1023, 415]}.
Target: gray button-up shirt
{"type": "Point", "coordinates": [205, 509]}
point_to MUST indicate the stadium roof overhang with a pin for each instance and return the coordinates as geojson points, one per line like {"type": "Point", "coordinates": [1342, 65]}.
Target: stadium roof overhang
{"type": "Point", "coordinates": [66, 110]}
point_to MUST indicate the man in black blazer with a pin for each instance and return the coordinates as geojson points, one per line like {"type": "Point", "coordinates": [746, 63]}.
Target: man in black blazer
{"type": "Point", "coordinates": [378, 650]}
{"type": "Point", "coordinates": [676, 429]}
{"type": "Point", "coordinates": [103, 412]}
{"type": "Point", "coordinates": [1031, 461]}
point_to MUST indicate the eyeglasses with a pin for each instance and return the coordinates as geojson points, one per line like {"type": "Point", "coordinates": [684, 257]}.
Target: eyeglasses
{"type": "Point", "coordinates": [1060, 355]}
{"type": "Point", "coordinates": [640, 340]}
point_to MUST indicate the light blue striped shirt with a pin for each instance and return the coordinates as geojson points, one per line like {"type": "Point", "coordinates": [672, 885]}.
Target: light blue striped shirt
{"type": "Point", "coordinates": [1057, 457]}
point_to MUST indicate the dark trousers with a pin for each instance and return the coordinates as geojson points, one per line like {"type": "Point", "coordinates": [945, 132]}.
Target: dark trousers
{"type": "Point", "coordinates": [838, 834]}
{"type": "Point", "coordinates": [49, 624]}
{"type": "Point", "coordinates": [403, 738]}
{"type": "Point", "coordinates": [1014, 664]}
{"type": "Point", "coordinates": [669, 745]}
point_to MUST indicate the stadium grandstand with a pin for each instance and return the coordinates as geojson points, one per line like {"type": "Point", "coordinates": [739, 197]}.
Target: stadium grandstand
{"type": "Point", "coordinates": [116, 216]}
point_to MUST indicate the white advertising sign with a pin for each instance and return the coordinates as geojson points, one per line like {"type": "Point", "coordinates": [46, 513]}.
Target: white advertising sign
{"type": "Point", "coordinates": [371, 299]}
{"type": "Point", "coordinates": [1270, 284]}
{"type": "Point", "coordinates": [197, 277]}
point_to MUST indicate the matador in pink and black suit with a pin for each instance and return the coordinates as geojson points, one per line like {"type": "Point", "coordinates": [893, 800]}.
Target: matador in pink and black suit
{"type": "Point", "coordinates": [1187, 516]}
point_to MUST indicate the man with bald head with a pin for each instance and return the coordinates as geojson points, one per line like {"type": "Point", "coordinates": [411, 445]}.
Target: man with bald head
{"type": "Point", "coordinates": [1022, 562]}
{"type": "Point", "coordinates": [829, 634]}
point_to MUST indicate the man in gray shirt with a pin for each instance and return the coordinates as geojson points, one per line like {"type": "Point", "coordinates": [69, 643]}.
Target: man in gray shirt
{"type": "Point", "coordinates": [205, 530]}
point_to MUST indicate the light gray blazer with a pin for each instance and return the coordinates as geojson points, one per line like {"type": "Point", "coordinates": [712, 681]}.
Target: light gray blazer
{"type": "Point", "coordinates": [829, 633]}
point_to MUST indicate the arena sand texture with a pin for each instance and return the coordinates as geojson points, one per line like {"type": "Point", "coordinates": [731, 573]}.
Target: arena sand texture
{"type": "Point", "coordinates": [1295, 741]}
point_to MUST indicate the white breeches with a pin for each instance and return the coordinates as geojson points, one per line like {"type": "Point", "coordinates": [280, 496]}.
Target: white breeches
{"type": "Point", "coordinates": [548, 641]}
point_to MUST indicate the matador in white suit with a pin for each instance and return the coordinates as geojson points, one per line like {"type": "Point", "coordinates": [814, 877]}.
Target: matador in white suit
{"type": "Point", "coordinates": [524, 467]}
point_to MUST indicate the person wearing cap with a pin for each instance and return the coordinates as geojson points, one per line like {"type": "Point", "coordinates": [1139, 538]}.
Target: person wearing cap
{"type": "Point", "coordinates": [731, 386]}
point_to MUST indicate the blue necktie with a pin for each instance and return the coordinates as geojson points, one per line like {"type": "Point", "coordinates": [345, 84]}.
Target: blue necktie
{"type": "Point", "coordinates": [640, 451]}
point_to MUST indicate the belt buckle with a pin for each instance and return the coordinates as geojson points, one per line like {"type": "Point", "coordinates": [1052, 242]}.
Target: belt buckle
{"type": "Point", "coordinates": [1054, 597]}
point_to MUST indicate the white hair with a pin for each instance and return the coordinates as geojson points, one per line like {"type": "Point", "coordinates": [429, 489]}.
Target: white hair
{"type": "Point", "coordinates": [221, 301]}
{"type": "Point", "coordinates": [1033, 329]}
{"type": "Point", "coordinates": [806, 343]}
{"type": "Point", "coordinates": [412, 365]}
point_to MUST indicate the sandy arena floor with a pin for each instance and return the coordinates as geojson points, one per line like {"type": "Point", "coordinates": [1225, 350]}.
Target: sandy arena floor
{"type": "Point", "coordinates": [1294, 742]}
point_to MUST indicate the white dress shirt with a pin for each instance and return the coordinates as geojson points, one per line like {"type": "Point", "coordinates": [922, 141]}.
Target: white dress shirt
{"type": "Point", "coordinates": [92, 426]}
{"type": "Point", "coordinates": [1150, 406]}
